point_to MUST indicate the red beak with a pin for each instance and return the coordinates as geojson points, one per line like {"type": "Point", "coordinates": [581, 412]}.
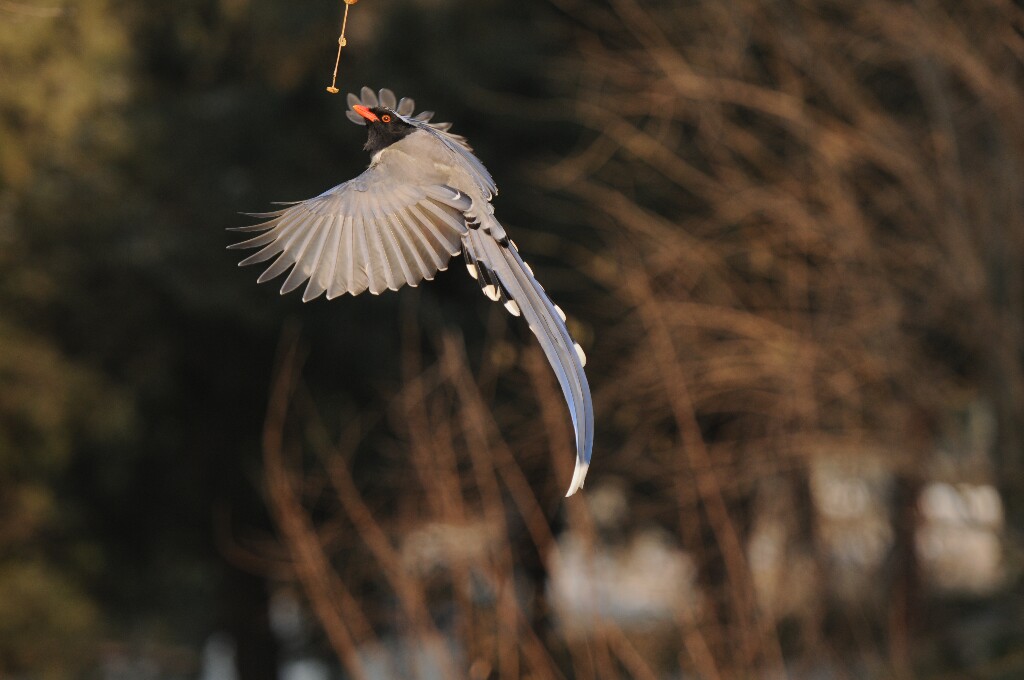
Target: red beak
{"type": "Point", "coordinates": [366, 113]}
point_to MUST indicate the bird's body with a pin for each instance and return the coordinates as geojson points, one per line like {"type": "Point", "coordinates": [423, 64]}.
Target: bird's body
{"type": "Point", "coordinates": [424, 198]}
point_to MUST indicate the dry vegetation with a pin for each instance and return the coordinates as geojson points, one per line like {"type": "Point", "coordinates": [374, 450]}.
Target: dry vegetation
{"type": "Point", "coordinates": [807, 245]}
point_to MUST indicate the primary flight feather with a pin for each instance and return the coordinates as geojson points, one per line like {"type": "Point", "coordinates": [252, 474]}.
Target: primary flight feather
{"type": "Point", "coordinates": [424, 198]}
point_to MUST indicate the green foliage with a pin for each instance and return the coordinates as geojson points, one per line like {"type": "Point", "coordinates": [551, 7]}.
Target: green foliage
{"type": "Point", "coordinates": [49, 404]}
{"type": "Point", "coordinates": [64, 81]}
{"type": "Point", "coordinates": [62, 77]}
{"type": "Point", "coordinates": [48, 627]}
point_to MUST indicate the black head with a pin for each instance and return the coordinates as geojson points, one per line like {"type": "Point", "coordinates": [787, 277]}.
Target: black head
{"type": "Point", "coordinates": [384, 127]}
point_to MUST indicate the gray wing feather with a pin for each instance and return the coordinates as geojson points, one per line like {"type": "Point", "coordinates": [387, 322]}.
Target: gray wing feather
{"type": "Point", "coordinates": [303, 267]}
{"type": "Point", "coordinates": [434, 245]}
{"type": "Point", "coordinates": [346, 279]}
{"type": "Point", "coordinates": [519, 285]}
{"type": "Point", "coordinates": [461, 150]}
{"type": "Point", "coordinates": [374, 232]}
{"type": "Point", "coordinates": [418, 267]}
{"type": "Point", "coordinates": [361, 270]}
{"type": "Point", "coordinates": [327, 265]}
{"type": "Point", "coordinates": [397, 267]}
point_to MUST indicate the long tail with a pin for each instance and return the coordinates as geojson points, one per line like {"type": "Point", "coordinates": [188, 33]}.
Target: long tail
{"type": "Point", "coordinates": [504, 276]}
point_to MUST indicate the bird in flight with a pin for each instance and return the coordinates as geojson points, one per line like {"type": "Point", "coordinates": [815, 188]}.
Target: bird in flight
{"type": "Point", "coordinates": [424, 198]}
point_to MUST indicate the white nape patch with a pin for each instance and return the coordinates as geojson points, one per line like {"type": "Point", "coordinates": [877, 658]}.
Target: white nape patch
{"type": "Point", "coordinates": [491, 292]}
{"type": "Point", "coordinates": [578, 476]}
{"type": "Point", "coordinates": [513, 307]}
{"type": "Point", "coordinates": [580, 354]}
{"type": "Point", "coordinates": [471, 268]}
{"type": "Point", "coordinates": [560, 312]}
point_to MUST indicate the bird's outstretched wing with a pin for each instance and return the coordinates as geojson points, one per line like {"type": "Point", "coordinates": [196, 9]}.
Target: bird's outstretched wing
{"type": "Point", "coordinates": [506, 278]}
{"type": "Point", "coordinates": [376, 232]}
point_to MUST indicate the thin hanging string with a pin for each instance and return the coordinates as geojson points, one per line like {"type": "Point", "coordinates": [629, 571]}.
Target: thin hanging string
{"type": "Point", "coordinates": [341, 43]}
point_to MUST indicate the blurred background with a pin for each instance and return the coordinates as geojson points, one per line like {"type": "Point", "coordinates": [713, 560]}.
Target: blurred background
{"type": "Point", "coordinates": [789, 235]}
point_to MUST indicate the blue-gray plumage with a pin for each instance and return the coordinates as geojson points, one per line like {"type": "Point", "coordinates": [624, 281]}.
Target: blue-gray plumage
{"type": "Point", "coordinates": [423, 198]}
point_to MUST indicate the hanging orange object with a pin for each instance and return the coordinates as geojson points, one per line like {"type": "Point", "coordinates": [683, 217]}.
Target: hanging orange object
{"type": "Point", "coordinates": [341, 43]}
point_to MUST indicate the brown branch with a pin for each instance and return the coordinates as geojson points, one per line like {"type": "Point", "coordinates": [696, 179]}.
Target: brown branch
{"type": "Point", "coordinates": [700, 465]}
{"type": "Point", "coordinates": [322, 587]}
